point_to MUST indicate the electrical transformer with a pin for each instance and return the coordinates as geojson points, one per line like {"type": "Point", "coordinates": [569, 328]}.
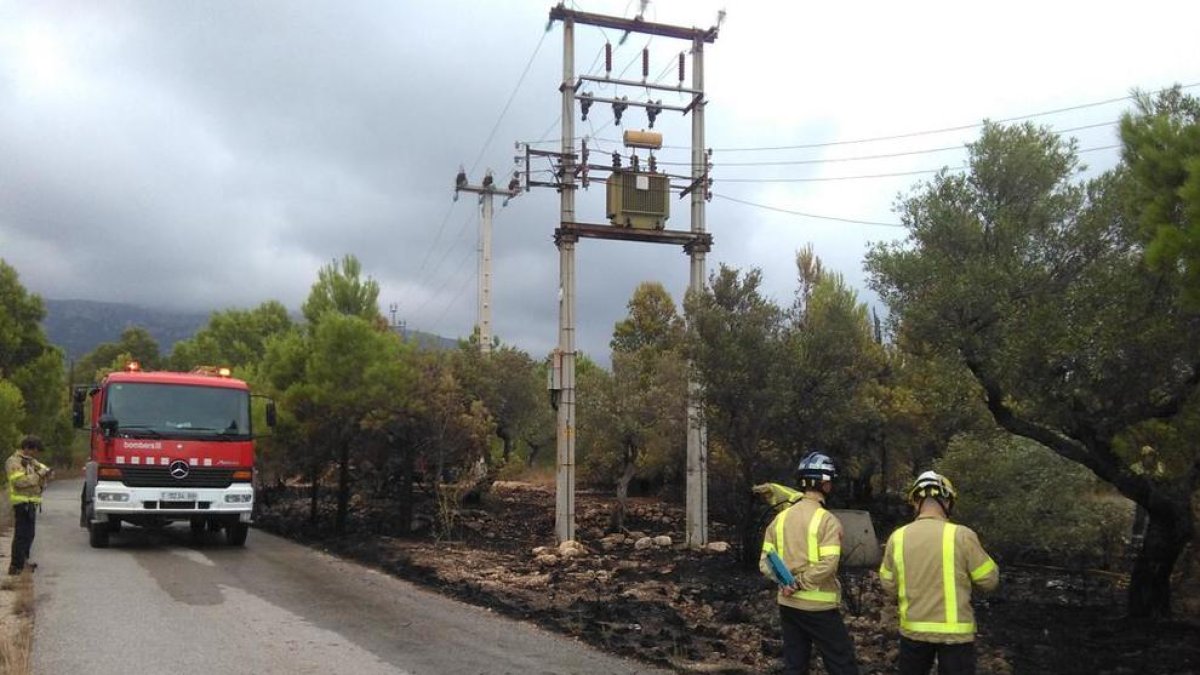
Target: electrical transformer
{"type": "Point", "coordinates": [639, 200]}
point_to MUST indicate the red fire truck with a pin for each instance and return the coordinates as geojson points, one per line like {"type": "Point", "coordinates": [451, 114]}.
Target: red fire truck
{"type": "Point", "coordinates": [166, 447]}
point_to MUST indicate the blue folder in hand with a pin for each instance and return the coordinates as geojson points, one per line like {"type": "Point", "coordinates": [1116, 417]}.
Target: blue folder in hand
{"type": "Point", "coordinates": [782, 574]}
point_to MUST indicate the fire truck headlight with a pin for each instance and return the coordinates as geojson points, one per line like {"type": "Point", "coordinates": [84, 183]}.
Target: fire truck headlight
{"type": "Point", "coordinates": [238, 498]}
{"type": "Point", "coordinates": [112, 496]}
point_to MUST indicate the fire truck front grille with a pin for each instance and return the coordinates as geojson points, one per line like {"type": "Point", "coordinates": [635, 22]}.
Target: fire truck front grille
{"type": "Point", "coordinates": [160, 476]}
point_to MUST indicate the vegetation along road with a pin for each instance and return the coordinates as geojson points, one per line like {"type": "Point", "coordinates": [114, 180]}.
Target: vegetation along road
{"type": "Point", "coordinates": [158, 602]}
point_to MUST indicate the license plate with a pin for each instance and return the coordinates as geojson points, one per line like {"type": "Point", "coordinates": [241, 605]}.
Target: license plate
{"type": "Point", "coordinates": [179, 496]}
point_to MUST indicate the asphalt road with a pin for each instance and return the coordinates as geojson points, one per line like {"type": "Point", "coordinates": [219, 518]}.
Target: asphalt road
{"type": "Point", "coordinates": [155, 602]}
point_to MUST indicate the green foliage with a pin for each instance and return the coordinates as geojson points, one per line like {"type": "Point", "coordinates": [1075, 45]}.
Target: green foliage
{"type": "Point", "coordinates": [1027, 503]}
{"type": "Point", "coordinates": [831, 361]}
{"type": "Point", "coordinates": [1161, 142]}
{"type": "Point", "coordinates": [232, 338]}
{"type": "Point", "coordinates": [341, 289]}
{"type": "Point", "coordinates": [135, 344]}
{"type": "Point", "coordinates": [653, 321]}
{"type": "Point", "coordinates": [30, 364]}
{"type": "Point", "coordinates": [1039, 286]}
{"type": "Point", "coordinates": [12, 414]}
{"type": "Point", "coordinates": [21, 336]}
{"type": "Point", "coordinates": [735, 345]}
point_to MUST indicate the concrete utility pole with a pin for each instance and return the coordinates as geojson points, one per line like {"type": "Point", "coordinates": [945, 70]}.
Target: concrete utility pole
{"type": "Point", "coordinates": [697, 434]}
{"type": "Point", "coordinates": [696, 241]}
{"type": "Point", "coordinates": [486, 192]}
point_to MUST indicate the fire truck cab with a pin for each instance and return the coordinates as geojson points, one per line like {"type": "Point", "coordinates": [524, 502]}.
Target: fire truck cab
{"type": "Point", "coordinates": [167, 446]}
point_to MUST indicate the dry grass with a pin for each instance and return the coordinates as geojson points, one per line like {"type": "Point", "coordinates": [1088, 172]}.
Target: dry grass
{"type": "Point", "coordinates": [16, 606]}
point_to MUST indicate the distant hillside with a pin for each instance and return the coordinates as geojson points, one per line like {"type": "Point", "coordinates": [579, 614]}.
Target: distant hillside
{"type": "Point", "coordinates": [77, 326]}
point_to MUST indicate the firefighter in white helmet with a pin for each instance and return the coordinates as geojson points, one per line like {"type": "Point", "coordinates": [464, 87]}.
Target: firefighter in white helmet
{"type": "Point", "coordinates": [933, 565]}
{"type": "Point", "coordinates": [808, 539]}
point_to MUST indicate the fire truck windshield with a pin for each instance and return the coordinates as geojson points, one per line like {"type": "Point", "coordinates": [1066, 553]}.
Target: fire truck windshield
{"type": "Point", "coordinates": [162, 410]}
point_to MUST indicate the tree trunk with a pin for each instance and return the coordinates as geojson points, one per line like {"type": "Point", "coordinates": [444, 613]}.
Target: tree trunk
{"type": "Point", "coordinates": [534, 451]}
{"type": "Point", "coordinates": [508, 444]}
{"type": "Point", "coordinates": [314, 490]}
{"type": "Point", "coordinates": [617, 521]}
{"type": "Point", "coordinates": [405, 507]}
{"type": "Point", "coordinates": [1167, 534]}
{"type": "Point", "coordinates": [343, 497]}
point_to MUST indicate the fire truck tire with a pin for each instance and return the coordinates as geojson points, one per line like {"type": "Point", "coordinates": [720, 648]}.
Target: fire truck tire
{"type": "Point", "coordinates": [114, 524]}
{"type": "Point", "coordinates": [98, 535]}
{"type": "Point", "coordinates": [235, 533]}
{"type": "Point", "coordinates": [214, 525]}
{"type": "Point", "coordinates": [197, 526]}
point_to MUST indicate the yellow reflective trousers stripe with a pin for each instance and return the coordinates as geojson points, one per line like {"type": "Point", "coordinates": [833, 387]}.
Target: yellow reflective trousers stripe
{"type": "Point", "coordinates": [949, 587]}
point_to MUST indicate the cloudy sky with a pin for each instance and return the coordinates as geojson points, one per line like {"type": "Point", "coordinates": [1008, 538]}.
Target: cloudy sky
{"type": "Point", "coordinates": [205, 155]}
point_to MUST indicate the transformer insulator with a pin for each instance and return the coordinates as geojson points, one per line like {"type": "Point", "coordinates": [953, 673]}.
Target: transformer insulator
{"type": "Point", "coordinates": [645, 64]}
{"type": "Point", "coordinates": [608, 58]}
{"type": "Point", "coordinates": [681, 69]}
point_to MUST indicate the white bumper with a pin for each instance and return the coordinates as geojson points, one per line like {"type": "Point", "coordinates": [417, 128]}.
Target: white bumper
{"type": "Point", "coordinates": [172, 503]}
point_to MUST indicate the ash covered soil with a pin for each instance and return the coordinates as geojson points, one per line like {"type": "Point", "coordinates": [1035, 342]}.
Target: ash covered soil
{"type": "Point", "coordinates": [698, 611]}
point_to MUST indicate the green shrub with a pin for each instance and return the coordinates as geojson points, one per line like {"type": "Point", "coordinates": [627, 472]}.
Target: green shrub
{"type": "Point", "coordinates": [1027, 503]}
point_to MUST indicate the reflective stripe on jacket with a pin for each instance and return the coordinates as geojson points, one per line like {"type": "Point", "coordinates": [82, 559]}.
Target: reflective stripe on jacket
{"type": "Point", "coordinates": [809, 541]}
{"type": "Point", "coordinates": [26, 478]}
{"type": "Point", "coordinates": [932, 564]}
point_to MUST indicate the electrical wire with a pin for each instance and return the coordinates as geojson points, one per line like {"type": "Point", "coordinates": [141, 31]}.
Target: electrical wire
{"type": "Point", "coordinates": [806, 215]}
{"type": "Point", "coordinates": [507, 104]}
{"type": "Point", "coordinates": [858, 158]}
{"type": "Point", "coordinates": [878, 175]}
{"type": "Point", "coordinates": [928, 132]}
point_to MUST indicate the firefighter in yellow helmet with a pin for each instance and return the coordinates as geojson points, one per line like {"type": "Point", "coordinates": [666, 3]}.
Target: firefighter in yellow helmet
{"type": "Point", "coordinates": [933, 565]}
{"type": "Point", "coordinates": [27, 478]}
{"type": "Point", "coordinates": [808, 541]}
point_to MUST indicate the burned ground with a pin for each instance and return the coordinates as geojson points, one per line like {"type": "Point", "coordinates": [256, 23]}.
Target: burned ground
{"type": "Point", "coordinates": [699, 611]}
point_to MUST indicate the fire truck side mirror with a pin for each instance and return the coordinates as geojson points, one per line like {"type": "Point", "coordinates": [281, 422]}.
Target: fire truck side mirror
{"type": "Point", "coordinates": [272, 415]}
{"type": "Point", "coordinates": [108, 425]}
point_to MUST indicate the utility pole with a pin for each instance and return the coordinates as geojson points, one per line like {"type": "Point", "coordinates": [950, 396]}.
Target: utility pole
{"type": "Point", "coordinates": [696, 241]}
{"type": "Point", "coordinates": [486, 192]}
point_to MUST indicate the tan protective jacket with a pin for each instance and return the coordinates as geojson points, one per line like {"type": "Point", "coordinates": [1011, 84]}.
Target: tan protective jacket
{"type": "Point", "coordinates": [809, 540]}
{"type": "Point", "coordinates": [932, 565]}
{"type": "Point", "coordinates": [26, 479]}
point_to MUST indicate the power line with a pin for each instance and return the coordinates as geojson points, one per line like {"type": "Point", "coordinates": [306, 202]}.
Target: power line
{"type": "Point", "coordinates": [858, 158]}
{"type": "Point", "coordinates": [511, 96]}
{"type": "Point", "coordinates": [915, 172]}
{"type": "Point", "coordinates": [806, 215]}
{"type": "Point", "coordinates": [928, 132]}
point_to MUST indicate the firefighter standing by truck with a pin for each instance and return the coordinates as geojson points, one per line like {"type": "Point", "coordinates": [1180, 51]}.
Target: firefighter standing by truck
{"type": "Point", "coordinates": [808, 540]}
{"type": "Point", "coordinates": [27, 478]}
{"type": "Point", "coordinates": [932, 565]}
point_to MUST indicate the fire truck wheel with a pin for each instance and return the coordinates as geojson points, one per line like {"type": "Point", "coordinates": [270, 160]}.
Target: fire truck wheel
{"type": "Point", "coordinates": [98, 534]}
{"type": "Point", "coordinates": [197, 526]}
{"type": "Point", "coordinates": [114, 524]}
{"type": "Point", "coordinates": [214, 525]}
{"type": "Point", "coordinates": [235, 533]}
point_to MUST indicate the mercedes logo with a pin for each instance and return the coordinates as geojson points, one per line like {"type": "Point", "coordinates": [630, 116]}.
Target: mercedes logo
{"type": "Point", "coordinates": [179, 469]}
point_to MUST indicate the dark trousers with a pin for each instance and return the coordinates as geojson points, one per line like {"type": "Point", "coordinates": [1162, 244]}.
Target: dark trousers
{"type": "Point", "coordinates": [24, 522]}
{"type": "Point", "coordinates": [801, 629]}
{"type": "Point", "coordinates": [916, 658]}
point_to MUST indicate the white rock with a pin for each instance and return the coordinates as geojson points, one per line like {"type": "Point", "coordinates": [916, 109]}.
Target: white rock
{"type": "Point", "coordinates": [643, 543]}
{"type": "Point", "coordinates": [662, 540]}
{"type": "Point", "coordinates": [717, 547]}
{"type": "Point", "coordinates": [547, 559]}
